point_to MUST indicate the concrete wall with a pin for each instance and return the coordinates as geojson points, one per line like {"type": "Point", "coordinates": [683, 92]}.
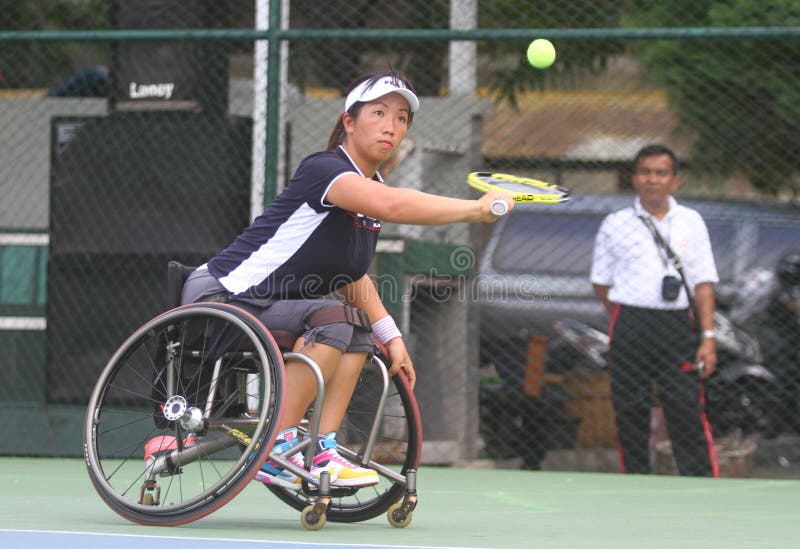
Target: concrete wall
{"type": "Point", "coordinates": [25, 155]}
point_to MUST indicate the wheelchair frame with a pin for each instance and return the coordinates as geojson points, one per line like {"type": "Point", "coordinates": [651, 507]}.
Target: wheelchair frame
{"type": "Point", "coordinates": [210, 377]}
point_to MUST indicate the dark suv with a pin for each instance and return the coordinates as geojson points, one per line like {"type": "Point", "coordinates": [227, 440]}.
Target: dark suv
{"type": "Point", "coordinates": [535, 270]}
{"type": "Point", "coordinates": [535, 267]}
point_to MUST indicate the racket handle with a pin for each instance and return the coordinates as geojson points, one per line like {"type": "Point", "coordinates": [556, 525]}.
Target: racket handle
{"type": "Point", "coordinates": [499, 208]}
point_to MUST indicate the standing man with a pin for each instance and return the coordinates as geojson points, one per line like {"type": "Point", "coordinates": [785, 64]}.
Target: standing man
{"type": "Point", "coordinates": [654, 337]}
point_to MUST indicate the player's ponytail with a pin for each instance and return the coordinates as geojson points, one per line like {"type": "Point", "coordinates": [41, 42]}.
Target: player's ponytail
{"type": "Point", "coordinates": [337, 135]}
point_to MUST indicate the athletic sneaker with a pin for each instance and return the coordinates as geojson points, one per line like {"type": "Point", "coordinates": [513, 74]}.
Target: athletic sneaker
{"type": "Point", "coordinates": [270, 472]}
{"type": "Point", "coordinates": [160, 444]}
{"type": "Point", "coordinates": [342, 472]}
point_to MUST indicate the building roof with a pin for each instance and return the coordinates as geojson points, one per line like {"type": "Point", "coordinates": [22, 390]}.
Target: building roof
{"type": "Point", "coordinates": [581, 126]}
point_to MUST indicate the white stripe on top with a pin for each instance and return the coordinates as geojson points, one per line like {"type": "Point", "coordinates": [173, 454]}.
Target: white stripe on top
{"type": "Point", "coordinates": [289, 238]}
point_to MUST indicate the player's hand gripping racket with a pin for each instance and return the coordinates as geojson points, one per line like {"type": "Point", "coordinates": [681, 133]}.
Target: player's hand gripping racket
{"type": "Point", "coordinates": [524, 189]}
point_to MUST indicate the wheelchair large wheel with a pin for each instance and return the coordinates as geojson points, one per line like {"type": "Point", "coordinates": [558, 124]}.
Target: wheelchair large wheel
{"type": "Point", "coordinates": [184, 414]}
{"type": "Point", "coordinates": [398, 448]}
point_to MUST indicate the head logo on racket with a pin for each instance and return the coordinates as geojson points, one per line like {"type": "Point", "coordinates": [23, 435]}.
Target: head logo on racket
{"type": "Point", "coordinates": [523, 189]}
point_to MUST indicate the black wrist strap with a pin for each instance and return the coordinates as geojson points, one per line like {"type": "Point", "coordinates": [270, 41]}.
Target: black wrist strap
{"type": "Point", "coordinates": [675, 260]}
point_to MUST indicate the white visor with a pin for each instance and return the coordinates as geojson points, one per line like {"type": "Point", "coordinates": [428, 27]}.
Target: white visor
{"type": "Point", "coordinates": [380, 88]}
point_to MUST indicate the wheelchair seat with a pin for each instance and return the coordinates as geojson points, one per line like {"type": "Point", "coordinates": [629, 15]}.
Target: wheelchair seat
{"type": "Point", "coordinates": [177, 273]}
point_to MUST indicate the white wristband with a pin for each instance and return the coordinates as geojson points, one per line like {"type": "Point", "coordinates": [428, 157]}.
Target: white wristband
{"type": "Point", "coordinates": [709, 334]}
{"type": "Point", "coordinates": [385, 329]}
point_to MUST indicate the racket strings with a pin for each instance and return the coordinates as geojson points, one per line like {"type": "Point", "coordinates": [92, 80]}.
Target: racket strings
{"type": "Point", "coordinates": [524, 189]}
{"type": "Point", "coordinates": [515, 187]}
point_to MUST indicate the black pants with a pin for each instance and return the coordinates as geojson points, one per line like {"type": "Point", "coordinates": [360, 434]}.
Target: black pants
{"type": "Point", "coordinates": [656, 347]}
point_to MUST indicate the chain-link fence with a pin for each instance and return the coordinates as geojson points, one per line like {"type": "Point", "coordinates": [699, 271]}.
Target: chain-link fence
{"type": "Point", "coordinates": [122, 150]}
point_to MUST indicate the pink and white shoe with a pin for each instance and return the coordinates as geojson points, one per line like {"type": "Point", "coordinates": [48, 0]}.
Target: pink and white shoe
{"type": "Point", "coordinates": [342, 472]}
{"type": "Point", "coordinates": [163, 443]}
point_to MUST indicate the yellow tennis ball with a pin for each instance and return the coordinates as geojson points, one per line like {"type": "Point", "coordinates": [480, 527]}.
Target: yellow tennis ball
{"type": "Point", "coordinates": [541, 53]}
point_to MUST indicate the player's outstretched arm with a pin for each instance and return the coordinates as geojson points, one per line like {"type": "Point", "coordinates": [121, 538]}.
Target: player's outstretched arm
{"type": "Point", "coordinates": [399, 205]}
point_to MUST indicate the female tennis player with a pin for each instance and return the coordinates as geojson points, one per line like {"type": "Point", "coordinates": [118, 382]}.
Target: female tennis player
{"type": "Point", "coordinates": [319, 235]}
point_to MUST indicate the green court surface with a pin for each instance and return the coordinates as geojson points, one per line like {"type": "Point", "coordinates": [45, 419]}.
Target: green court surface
{"type": "Point", "coordinates": [486, 508]}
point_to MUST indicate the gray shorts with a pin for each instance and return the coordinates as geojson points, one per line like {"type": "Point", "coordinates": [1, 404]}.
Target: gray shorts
{"type": "Point", "coordinates": [287, 315]}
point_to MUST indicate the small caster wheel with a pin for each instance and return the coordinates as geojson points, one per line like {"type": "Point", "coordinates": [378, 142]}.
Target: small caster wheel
{"type": "Point", "coordinates": [148, 500]}
{"type": "Point", "coordinates": [312, 519]}
{"type": "Point", "coordinates": [398, 516]}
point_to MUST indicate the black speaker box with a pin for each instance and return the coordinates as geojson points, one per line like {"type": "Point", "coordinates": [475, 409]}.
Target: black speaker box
{"type": "Point", "coordinates": [128, 193]}
{"type": "Point", "coordinates": [148, 182]}
{"type": "Point", "coordinates": [169, 75]}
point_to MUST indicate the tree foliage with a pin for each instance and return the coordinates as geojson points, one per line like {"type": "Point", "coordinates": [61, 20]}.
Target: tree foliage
{"type": "Point", "coordinates": [42, 64]}
{"type": "Point", "coordinates": [336, 63]}
{"type": "Point", "coordinates": [738, 99]}
{"type": "Point", "coordinates": [511, 73]}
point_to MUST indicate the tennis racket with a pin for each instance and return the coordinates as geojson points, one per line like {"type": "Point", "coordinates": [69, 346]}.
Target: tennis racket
{"type": "Point", "coordinates": [524, 189]}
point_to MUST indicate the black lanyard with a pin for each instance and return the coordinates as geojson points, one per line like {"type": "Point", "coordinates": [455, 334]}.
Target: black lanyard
{"type": "Point", "coordinates": [674, 259]}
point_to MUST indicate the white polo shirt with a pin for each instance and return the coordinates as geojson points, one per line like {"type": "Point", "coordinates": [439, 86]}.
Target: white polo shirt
{"type": "Point", "coordinates": [627, 257]}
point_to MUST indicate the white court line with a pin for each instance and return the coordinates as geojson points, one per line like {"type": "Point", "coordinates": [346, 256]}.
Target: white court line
{"type": "Point", "coordinates": [33, 539]}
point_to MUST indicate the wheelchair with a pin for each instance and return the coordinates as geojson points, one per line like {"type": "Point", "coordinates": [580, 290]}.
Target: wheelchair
{"type": "Point", "coordinates": [187, 410]}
